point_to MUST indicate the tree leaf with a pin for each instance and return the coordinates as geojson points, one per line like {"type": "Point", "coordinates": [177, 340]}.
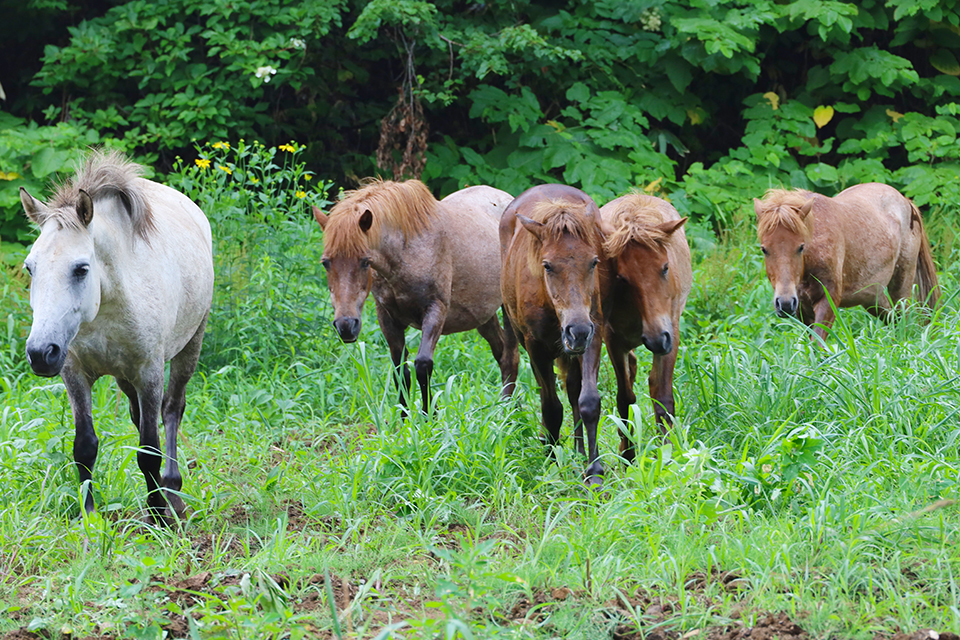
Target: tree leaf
{"type": "Point", "coordinates": [822, 115]}
{"type": "Point", "coordinates": [945, 62]}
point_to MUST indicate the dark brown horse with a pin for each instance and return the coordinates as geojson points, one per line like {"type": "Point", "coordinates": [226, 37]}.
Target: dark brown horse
{"type": "Point", "coordinates": [866, 246]}
{"type": "Point", "coordinates": [552, 277]}
{"type": "Point", "coordinates": [650, 258]}
{"type": "Point", "coordinates": [430, 265]}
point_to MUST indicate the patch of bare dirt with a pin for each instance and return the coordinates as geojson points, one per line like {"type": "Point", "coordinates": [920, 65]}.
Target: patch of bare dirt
{"type": "Point", "coordinates": [728, 581]}
{"type": "Point", "coordinates": [922, 634]}
{"type": "Point", "coordinates": [771, 626]}
{"type": "Point", "coordinates": [543, 602]}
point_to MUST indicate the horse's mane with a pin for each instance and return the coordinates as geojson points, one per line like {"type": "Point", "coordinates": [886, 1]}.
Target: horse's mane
{"type": "Point", "coordinates": [408, 206]}
{"type": "Point", "coordinates": [104, 174]}
{"type": "Point", "coordinates": [635, 219]}
{"type": "Point", "coordinates": [559, 217]}
{"type": "Point", "coordinates": [782, 207]}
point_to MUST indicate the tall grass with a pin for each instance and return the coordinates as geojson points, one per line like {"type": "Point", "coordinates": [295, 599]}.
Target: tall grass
{"type": "Point", "coordinates": [816, 475]}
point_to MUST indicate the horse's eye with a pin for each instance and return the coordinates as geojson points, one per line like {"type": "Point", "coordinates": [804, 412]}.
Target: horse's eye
{"type": "Point", "coordinates": [364, 263]}
{"type": "Point", "coordinates": [547, 267]}
{"type": "Point", "coordinates": [800, 250]}
{"type": "Point", "coordinates": [80, 272]}
{"type": "Point", "coordinates": [326, 263]}
{"type": "Point", "coordinates": [595, 262]}
{"type": "Point", "coordinates": [765, 252]}
{"type": "Point", "coordinates": [666, 268]}
{"type": "Point", "coordinates": [29, 270]}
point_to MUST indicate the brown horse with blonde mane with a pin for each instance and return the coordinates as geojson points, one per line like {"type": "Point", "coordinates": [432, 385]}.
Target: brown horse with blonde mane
{"type": "Point", "coordinates": [552, 246]}
{"type": "Point", "coordinates": [650, 259]}
{"type": "Point", "coordinates": [866, 246]}
{"type": "Point", "coordinates": [433, 265]}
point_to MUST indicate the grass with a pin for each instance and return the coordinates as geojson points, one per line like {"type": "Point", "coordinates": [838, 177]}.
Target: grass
{"type": "Point", "coordinates": [804, 481]}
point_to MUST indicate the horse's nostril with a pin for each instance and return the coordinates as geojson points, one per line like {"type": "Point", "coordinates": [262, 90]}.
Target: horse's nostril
{"type": "Point", "coordinates": [51, 354]}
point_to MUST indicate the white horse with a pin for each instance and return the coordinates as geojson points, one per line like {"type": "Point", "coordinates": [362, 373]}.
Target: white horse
{"type": "Point", "coordinates": [120, 293]}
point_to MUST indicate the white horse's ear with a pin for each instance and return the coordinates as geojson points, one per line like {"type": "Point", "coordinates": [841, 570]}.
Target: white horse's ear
{"type": "Point", "coordinates": [671, 225]}
{"type": "Point", "coordinates": [321, 218]}
{"type": "Point", "coordinates": [757, 207]}
{"type": "Point", "coordinates": [31, 206]}
{"type": "Point", "coordinates": [805, 209]}
{"type": "Point", "coordinates": [85, 208]}
{"type": "Point", "coordinates": [366, 220]}
{"type": "Point", "coordinates": [532, 226]}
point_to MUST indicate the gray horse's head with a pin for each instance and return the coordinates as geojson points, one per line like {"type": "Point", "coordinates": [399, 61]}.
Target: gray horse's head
{"type": "Point", "coordinates": [65, 286]}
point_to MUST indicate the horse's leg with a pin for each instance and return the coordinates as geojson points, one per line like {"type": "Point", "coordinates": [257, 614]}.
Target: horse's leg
{"type": "Point", "coordinates": [661, 388]}
{"type": "Point", "coordinates": [589, 403]}
{"type": "Point", "coordinates": [85, 442]}
{"type": "Point", "coordinates": [511, 356]}
{"type": "Point", "coordinates": [823, 314]}
{"type": "Point", "coordinates": [551, 409]}
{"type": "Point", "coordinates": [150, 394]}
{"type": "Point", "coordinates": [625, 369]}
{"type": "Point", "coordinates": [393, 332]}
{"type": "Point", "coordinates": [182, 367]}
{"type": "Point", "coordinates": [431, 328]}
{"type": "Point", "coordinates": [573, 378]}
{"type": "Point", "coordinates": [494, 335]}
{"type": "Point", "coordinates": [131, 392]}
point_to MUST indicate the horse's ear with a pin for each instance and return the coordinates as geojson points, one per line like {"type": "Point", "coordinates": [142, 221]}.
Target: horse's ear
{"type": "Point", "coordinates": [85, 208]}
{"type": "Point", "coordinates": [671, 225]}
{"type": "Point", "coordinates": [321, 218]}
{"type": "Point", "coordinates": [757, 207]}
{"type": "Point", "coordinates": [532, 226]}
{"type": "Point", "coordinates": [31, 206]}
{"type": "Point", "coordinates": [366, 220]}
{"type": "Point", "coordinates": [805, 209]}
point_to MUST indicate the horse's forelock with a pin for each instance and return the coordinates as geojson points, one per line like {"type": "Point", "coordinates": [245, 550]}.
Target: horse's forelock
{"type": "Point", "coordinates": [559, 218]}
{"type": "Point", "coordinates": [407, 206]}
{"type": "Point", "coordinates": [781, 208]}
{"type": "Point", "coordinates": [103, 174]}
{"type": "Point", "coordinates": [635, 219]}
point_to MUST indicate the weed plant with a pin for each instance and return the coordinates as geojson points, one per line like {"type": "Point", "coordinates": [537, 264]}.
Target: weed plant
{"type": "Point", "coordinates": [808, 479]}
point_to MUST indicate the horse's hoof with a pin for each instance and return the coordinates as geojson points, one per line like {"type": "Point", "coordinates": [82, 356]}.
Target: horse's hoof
{"type": "Point", "coordinates": [175, 506]}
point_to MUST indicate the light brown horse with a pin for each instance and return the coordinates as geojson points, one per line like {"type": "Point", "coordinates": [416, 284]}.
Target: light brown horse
{"type": "Point", "coordinates": [866, 247]}
{"type": "Point", "coordinates": [552, 279]}
{"type": "Point", "coordinates": [650, 260]}
{"type": "Point", "coordinates": [433, 265]}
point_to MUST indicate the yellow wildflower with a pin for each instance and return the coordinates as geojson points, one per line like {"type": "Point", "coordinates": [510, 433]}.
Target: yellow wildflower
{"type": "Point", "coordinates": [13, 175]}
{"type": "Point", "coordinates": [307, 177]}
{"type": "Point", "coordinates": [221, 145]}
{"type": "Point", "coordinates": [203, 163]}
{"type": "Point", "coordinates": [301, 194]}
{"type": "Point", "coordinates": [287, 147]}
{"type": "Point", "coordinates": [228, 170]}
{"type": "Point", "coordinates": [254, 179]}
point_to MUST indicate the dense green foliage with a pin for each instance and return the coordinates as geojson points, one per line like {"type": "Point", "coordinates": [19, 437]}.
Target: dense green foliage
{"type": "Point", "coordinates": [707, 102]}
{"type": "Point", "coordinates": [795, 481]}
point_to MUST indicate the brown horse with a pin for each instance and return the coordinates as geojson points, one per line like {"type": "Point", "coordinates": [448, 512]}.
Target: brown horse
{"type": "Point", "coordinates": [651, 261]}
{"type": "Point", "coordinates": [430, 264]}
{"type": "Point", "coordinates": [551, 295]}
{"type": "Point", "coordinates": [866, 246]}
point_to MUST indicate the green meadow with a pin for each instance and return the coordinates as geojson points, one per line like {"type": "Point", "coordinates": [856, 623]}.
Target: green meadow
{"type": "Point", "coordinates": [805, 490]}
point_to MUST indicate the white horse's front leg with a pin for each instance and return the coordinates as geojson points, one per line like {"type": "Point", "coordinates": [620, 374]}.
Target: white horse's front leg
{"type": "Point", "coordinates": [85, 442]}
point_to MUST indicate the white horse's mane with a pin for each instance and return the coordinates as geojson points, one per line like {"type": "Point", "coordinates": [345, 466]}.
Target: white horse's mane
{"type": "Point", "coordinates": [104, 174]}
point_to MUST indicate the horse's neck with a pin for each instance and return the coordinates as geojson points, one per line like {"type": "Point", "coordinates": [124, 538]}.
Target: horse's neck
{"type": "Point", "coordinates": [114, 247]}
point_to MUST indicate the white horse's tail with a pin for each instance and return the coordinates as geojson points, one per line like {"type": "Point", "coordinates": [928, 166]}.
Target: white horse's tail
{"type": "Point", "coordinates": [928, 288]}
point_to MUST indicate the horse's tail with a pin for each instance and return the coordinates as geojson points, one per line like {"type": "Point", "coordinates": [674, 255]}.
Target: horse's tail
{"type": "Point", "coordinates": [928, 288]}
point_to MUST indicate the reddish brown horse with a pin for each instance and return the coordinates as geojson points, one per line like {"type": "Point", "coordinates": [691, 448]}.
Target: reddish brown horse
{"type": "Point", "coordinates": [431, 265]}
{"type": "Point", "coordinates": [551, 244]}
{"type": "Point", "coordinates": [651, 262]}
{"type": "Point", "coordinates": [865, 247]}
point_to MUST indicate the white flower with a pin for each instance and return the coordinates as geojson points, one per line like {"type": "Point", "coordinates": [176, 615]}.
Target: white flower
{"type": "Point", "coordinates": [297, 43]}
{"type": "Point", "coordinates": [265, 72]}
{"type": "Point", "coordinates": [650, 19]}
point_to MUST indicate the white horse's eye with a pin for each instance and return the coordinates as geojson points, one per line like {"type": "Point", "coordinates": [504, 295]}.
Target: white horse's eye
{"type": "Point", "coordinates": [27, 267]}
{"type": "Point", "coordinates": [81, 271]}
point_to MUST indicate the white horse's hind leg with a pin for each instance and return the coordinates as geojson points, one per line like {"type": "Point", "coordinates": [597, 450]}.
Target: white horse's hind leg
{"type": "Point", "coordinates": [85, 442]}
{"type": "Point", "coordinates": [182, 367]}
{"type": "Point", "coordinates": [150, 394]}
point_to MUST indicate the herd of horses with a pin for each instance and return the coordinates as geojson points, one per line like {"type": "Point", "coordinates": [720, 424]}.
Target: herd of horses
{"type": "Point", "coordinates": [123, 291]}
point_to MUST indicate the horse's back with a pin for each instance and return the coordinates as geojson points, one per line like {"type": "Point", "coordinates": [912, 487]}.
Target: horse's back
{"type": "Point", "coordinates": [480, 198]}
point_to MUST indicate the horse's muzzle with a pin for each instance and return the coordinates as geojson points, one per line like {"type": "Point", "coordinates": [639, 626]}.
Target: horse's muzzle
{"type": "Point", "coordinates": [786, 306]}
{"type": "Point", "coordinates": [576, 338]}
{"type": "Point", "coordinates": [347, 328]}
{"type": "Point", "coordinates": [660, 345]}
{"type": "Point", "coordinates": [46, 359]}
